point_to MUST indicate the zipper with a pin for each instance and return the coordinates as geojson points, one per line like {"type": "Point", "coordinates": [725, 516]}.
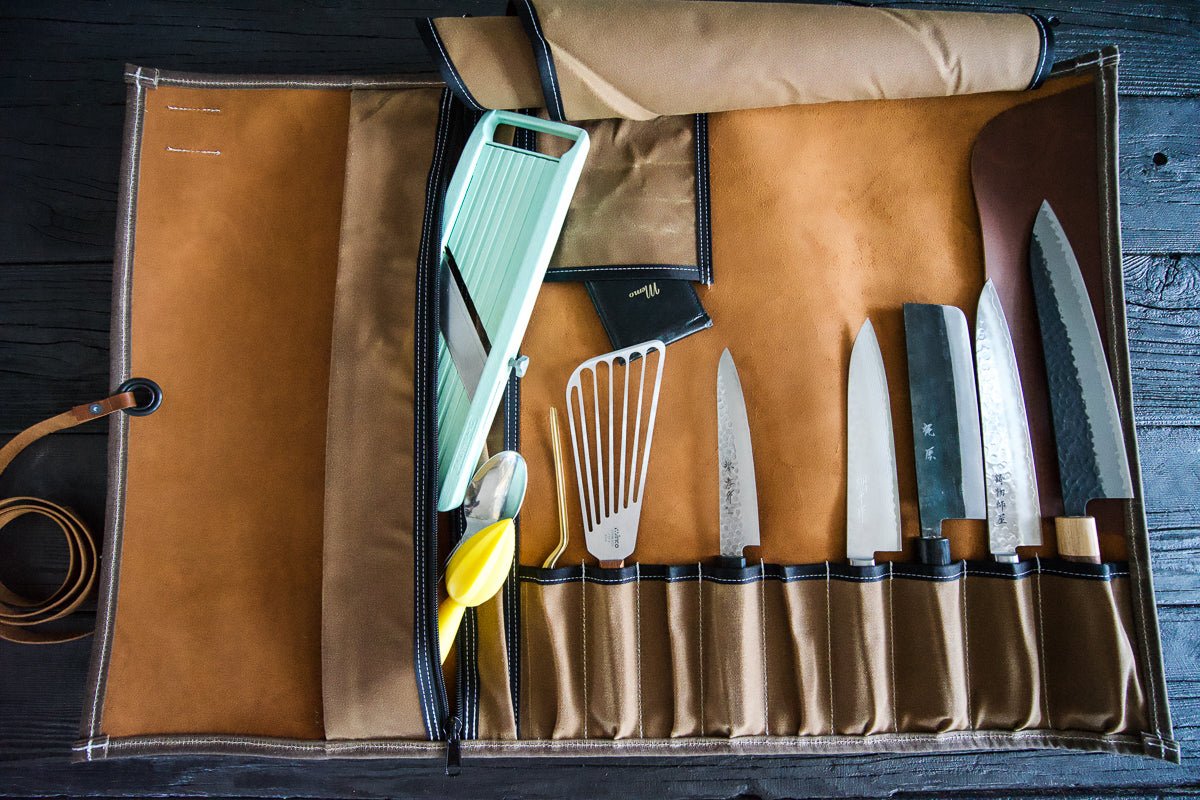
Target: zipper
{"type": "Point", "coordinates": [453, 749]}
{"type": "Point", "coordinates": [431, 684]}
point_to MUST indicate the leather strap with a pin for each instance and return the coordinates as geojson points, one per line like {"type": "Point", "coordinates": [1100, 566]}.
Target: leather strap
{"type": "Point", "coordinates": [18, 614]}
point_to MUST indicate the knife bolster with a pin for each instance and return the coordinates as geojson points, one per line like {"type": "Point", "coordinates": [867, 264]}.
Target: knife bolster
{"type": "Point", "coordinates": [935, 552]}
{"type": "Point", "coordinates": [1077, 539]}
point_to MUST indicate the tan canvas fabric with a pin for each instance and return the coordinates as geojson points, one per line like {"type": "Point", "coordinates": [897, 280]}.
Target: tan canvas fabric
{"type": "Point", "coordinates": [368, 610]}
{"type": "Point", "coordinates": [677, 57]}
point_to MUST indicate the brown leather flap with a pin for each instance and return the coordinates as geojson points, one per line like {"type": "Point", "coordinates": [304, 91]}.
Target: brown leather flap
{"type": "Point", "coordinates": [584, 59]}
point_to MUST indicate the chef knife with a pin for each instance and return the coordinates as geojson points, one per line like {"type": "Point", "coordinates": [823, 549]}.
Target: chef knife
{"type": "Point", "coordinates": [872, 493]}
{"type": "Point", "coordinates": [1092, 462]}
{"type": "Point", "coordinates": [945, 419]}
{"type": "Point", "coordinates": [1013, 510]}
{"type": "Point", "coordinates": [735, 464]}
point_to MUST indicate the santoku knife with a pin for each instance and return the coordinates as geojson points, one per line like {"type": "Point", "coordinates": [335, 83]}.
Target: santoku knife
{"type": "Point", "coordinates": [872, 492]}
{"type": "Point", "coordinates": [945, 419]}
{"type": "Point", "coordinates": [735, 465]}
{"type": "Point", "coordinates": [1013, 510]}
{"type": "Point", "coordinates": [1092, 462]}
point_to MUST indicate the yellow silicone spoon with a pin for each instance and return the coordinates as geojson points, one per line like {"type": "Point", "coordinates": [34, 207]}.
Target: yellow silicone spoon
{"type": "Point", "coordinates": [476, 571]}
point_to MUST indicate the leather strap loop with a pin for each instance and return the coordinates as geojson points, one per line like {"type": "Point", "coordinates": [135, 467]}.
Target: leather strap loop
{"type": "Point", "coordinates": [18, 614]}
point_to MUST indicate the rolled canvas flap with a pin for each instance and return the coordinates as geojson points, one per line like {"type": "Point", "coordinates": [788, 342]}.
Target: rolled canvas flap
{"type": "Point", "coordinates": [648, 58]}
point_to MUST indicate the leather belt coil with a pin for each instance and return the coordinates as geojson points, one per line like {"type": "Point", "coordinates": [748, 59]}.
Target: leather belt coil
{"type": "Point", "coordinates": [19, 615]}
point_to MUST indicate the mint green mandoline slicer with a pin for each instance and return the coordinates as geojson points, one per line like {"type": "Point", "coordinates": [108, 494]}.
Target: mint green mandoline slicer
{"type": "Point", "coordinates": [504, 210]}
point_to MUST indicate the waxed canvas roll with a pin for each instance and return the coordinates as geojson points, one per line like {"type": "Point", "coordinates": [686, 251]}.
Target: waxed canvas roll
{"type": "Point", "coordinates": [635, 210]}
{"type": "Point", "coordinates": [798, 620]}
{"type": "Point", "coordinates": [1091, 669]}
{"type": "Point", "coordinates": [553, 702]}
{"type": "Point", "coordinates": [733, 654]}
{"type": "Point", "coordinates": [929, 650]}
{"type": "Point", "coordinates": [861, 661]}
{"type": "Point", "coordinates": [650, 58]}
{"type": "Point", "coordinates": [1003, 635]}
{"type": "Point", "coordinates": [367, 562]}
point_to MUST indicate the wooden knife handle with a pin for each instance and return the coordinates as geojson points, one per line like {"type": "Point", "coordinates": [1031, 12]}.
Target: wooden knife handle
{"type": "Point", "coordinates": [1077, 539]}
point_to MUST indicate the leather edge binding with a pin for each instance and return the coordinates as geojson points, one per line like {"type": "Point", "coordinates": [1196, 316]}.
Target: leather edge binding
{"type": "Point", "coordinates": [958, 741]}
{"type": "Point", "coordinates": [703, 210]}
{"type": "Point", "coordinates": [1161, 743]}
{"type": "Point", "coordinates": [542, 56]}
{"type": "Point", "coordinates": [427, 30]}
{"type": "Point", "coordinates": [1045, 61]}
{"type": "Point", "coordinates": [119, 370]}
{"type": "Point", "coordinates": [601, 272]}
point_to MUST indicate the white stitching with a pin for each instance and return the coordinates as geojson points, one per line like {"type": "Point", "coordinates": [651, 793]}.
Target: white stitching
{"type": "Point", "coordinates": [1042, 645]}
{"type": "Point", "coordinates": [110, 598]}
{"type": "Point", "coordinates": [584, 643]}
{"type": "Point", "coordinates": [437, 39]}
{"type": "Point", "coordinates": [1107, 576]}
{"type": "Point", "coordinates": [170, 149]}
{"type": "Point", "coordinates": [201, 109]}
{"type": "Point", "coordinates": [700, 637]}
{"type": "Point", "coordinates": [638, 605]}
{"type": "Point", "coordinates": [829, 641]}
{"type": "Point", "coordinates": [962, 590]}
{"type": "Point", "coordinates": [762, 617]}
{"type": "Point", "coordinates": [892, 643]}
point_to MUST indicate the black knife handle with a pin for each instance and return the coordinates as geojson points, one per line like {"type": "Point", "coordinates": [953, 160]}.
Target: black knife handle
{"type": "Point", "coordinates": [935, 552]}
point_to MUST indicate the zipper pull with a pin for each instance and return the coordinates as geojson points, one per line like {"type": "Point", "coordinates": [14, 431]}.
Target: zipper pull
{"type": "Point", "coordinates": [453, 750]}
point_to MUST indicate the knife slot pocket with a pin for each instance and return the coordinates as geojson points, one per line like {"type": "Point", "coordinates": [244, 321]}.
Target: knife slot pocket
{"type": "Point", "coordinates": [859, 631]}
{"type": "Point", "coordinates": [1003, 642]}
{"type": "Point", "coordinates": [797, 637]}
{"type": "Point", "coordinates": [733, 652]}
{"type": "Point", "coordinates": [1091, 676]}
{"type": "Point", "coordinates": [930, 648]}
{"type": "Point", "coordinates": [612, 654]}
{"type": "Point", "coordinates": [553, 701]}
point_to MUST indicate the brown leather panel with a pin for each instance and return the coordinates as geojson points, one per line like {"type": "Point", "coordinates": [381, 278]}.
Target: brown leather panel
{"type": "Point", "coordinates": [1045, 150]}
{"type": "Point", "coordinates": [1102, 691]}
{"type": "Point", "coordinates": [218, 623]}
{"type": "Point", "coordinates": [368, 680]}
{"type": "Point", "coordinates": [636, 199]}
{"type": "Point", "coordinates": [929, 655]}
{"type": "Point", "coordinates": [822, 215]}
{"type": "Point", "coordinates": [678, 57]}
{"type": "Point", "coordinates": [1003, 643]}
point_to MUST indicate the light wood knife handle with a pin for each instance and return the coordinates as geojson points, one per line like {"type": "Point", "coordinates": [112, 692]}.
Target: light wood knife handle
{"type": "Point", "coordinates": [1077, 539]}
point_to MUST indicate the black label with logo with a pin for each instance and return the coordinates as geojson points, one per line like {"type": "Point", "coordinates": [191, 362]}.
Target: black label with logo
{"type": "Point", "coordinates": [639, 310]}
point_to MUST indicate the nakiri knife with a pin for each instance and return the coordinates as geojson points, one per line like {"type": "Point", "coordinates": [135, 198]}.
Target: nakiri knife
{"type": "Point", "coordinates": [738, 496]}
{"type": "Point", "coordinates": [872, 491]}
{"type": "Point", "coordinates": [1013, 510]}
{"type": "Point", "coordinates": [1092, 462]}
{"type": "Point", "coordinates": [945, 420]}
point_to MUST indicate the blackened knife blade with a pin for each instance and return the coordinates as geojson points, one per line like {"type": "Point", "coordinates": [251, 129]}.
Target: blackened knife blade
{"type": "Point", "coordinates": [1092, 461]}
{"type": "Point", "coordinates": [945, 420]}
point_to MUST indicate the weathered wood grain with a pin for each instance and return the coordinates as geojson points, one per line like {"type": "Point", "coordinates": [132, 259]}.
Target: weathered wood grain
{"type": "Point", "coordinates": [53, 340]}
{"type": "Point", "coordinates": [61, 95]}
{"type": "Point", "coordinates": [1162, 296]}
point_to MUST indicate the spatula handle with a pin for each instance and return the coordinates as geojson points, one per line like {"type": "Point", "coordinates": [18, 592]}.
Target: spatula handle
{"type": "Point", "coordinates": [1077, 539]}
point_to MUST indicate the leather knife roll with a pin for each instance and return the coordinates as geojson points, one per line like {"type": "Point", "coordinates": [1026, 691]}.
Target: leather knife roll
{"type": "Point", "coordinates": [272, 560]}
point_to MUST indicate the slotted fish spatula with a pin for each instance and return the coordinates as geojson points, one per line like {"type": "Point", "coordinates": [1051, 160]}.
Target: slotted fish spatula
{"type": "Point", "coordinates": [612, 401]}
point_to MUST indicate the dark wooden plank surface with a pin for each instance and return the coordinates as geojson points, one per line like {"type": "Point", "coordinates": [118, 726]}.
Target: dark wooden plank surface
{"type": "Point", "coordinates": [61, 105]}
